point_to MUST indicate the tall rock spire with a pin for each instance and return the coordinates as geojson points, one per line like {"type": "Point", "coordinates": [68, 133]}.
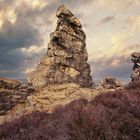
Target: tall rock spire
{"type": "Point", "coordinates": [66, 57]}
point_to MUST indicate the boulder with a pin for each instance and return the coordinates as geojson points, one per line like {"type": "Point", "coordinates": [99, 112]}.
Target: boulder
{"type": "Point", "coordinates": [111, 83]}
{"type": "Point", "coordinates": [66, 57]}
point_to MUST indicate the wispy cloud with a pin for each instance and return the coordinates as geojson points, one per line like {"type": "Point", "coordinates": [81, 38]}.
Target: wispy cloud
{"type": "Point", "coordinates": [105, 20]}
{"type": "Point", "coordinates": [133, 22]}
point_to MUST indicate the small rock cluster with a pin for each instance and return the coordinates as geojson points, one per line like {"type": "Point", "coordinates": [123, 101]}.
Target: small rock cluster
{"type": "Point", "coordinates": [12, 92]}
{"type": "Point", "coordinates": [66, 57]}
{"type": "Point", "coordinates": [111, 83]}
{"type": "Point", "coordinates": [135, 58]}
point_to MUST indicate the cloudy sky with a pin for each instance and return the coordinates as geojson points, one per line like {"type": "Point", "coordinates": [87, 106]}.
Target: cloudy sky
{"type": "Point", "coordinates": [112, 28]}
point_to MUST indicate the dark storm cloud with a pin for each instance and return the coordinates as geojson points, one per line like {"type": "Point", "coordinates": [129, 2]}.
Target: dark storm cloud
{"type": "Point", "coordinates": [18, 35]}
{"type": "Point", "coordinates": [105, 20]}
{"type": "Point", "coordinates": [14, 63]}
{"type": "Point", "coordinates": [13, 36]}
{"type": "Point", "coordinates": [10, 63]}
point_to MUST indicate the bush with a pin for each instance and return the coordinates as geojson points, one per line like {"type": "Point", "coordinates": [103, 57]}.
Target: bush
{"type": "Point", "coordinates": [110, 116]}
{"type": "Point", "coordinates": [135, 85]}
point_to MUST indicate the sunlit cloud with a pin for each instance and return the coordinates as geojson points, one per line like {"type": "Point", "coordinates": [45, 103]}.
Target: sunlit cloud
{"type": "Point", "coordinates": [36, 3]}
{"type": "Point", "coordinates": [28, 70]}
{"type": "Point", "coordinates": [11, 16]}
{"type": "Point", "coordinates": [33, 49]}
{"type": "Point", "coordinates": [115, 63]}
{"type": "Point", "coordinates": [1, 18]}
{"type": "Point", "coordinates": [133, 22]}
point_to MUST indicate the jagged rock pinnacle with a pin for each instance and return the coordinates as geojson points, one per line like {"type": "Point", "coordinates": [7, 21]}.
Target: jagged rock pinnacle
{"type": "Point", "coordinates": [64, 13]}
{"type": "Point", "coordinates": [63, 10]}
{"type": "Point", "coordinates": [66, 57]}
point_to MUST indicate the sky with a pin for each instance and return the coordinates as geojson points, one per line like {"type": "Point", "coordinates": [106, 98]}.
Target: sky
{"type": "Point", "coordinates": [112, 30]}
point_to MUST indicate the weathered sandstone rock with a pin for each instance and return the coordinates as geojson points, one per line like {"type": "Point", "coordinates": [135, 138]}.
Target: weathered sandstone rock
{"type": "Point", "coordinates": [66, 57]}
{"type": "Point", "coordinates": [12, 92]}
{"type": "Point", "coordinates": [111, 83]}
{"type": "Point", "coordinates": [9, 83]}
{"type": "Point", "coordinates": [135, 58]}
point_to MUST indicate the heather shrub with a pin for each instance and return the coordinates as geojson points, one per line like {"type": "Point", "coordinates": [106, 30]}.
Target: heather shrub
{"type": "Point", "coordinates": [110, 116]}
{"type": "Point", "coordinates": [135, 85]}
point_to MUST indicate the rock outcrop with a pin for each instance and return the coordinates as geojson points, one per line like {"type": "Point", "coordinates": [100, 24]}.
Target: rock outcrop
{"type": "Point", "coordinates": [9, 83]}
{"type": "Point", "coordinates": [12, 92]}
{"type": "Point", "coordinates": [135, 58]}
{"type": "Point", "coordinates": [51, 96]}
{"type": "Point", "coordinates": [111, 83]}
{"type": "Point", "coordinates": [47, 99]}
{"type": "Point", "coordinates": [66, 57]}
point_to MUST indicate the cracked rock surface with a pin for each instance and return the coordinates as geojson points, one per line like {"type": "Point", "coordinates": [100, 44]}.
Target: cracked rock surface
{"type": "Point", "coordinates": [66, 57]}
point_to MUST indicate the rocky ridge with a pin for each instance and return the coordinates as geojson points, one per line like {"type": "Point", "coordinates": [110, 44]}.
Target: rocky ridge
{"type": "Point", "coordinates": [47, 98]}
{"type": "Point", "coordinates": [66, 57]}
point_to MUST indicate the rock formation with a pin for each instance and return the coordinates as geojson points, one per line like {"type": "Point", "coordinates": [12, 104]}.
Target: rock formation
{"type": "Point", "coordinates": [6, 83]}
{"type": "Point", "coordinates": [111, 83]}
{"type": "Point", "coordinates": [135, 58]}
{"type": "Point", "coordinates": [66, 57]}
{"type": "Point", "coordinates": [12, 92]}
{"type": "Point", "coordinates": [44, 100]}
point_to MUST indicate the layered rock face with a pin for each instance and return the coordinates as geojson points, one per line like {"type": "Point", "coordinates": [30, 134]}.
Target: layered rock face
{"type": "Point", "coordinates": [135, 58]}
{"type": "Point", "coordinates": [66, 57]}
